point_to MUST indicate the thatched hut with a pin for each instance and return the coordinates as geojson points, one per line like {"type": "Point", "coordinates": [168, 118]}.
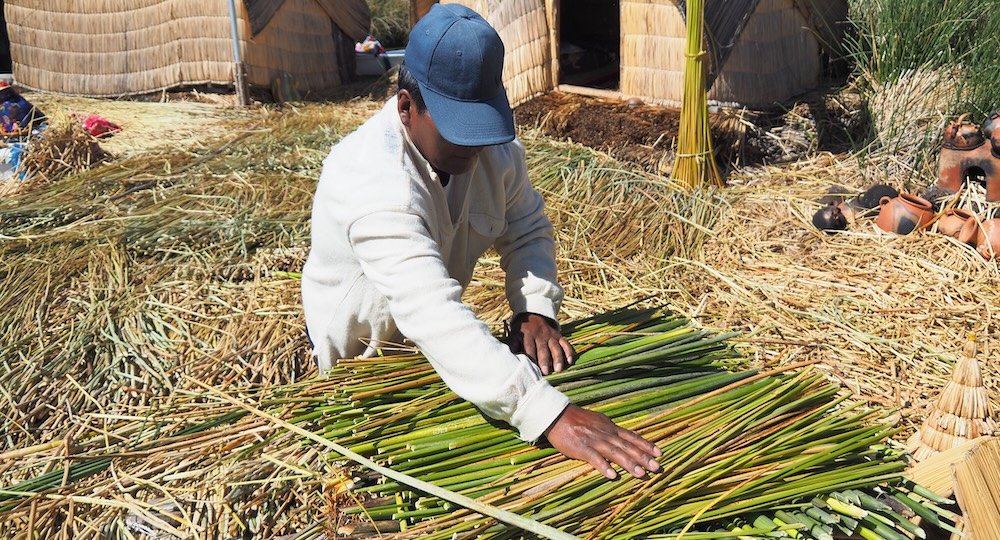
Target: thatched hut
{"type": "Point", "coordinates": [762, 51]}
{"type": "Point", "coordinates": [124, 47]}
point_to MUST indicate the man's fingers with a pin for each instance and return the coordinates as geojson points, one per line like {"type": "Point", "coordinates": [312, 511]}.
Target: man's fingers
{"type": "Point", "coordinates": [544, 358]}
{"type": "Point", "coordinates": [531, 349]}
{"type": "Point", "coordinates": [568, 351]}
{"type": "Point", "coordinates": [599, 463]}
{"type": "Point", "coordinates": [559, 362]}
{"type": "Point", "coordinates": [636, 440]}
{"type": "Point", "coordinates": [631, 458]}
{"type": "Point", "coordinates": [641, 453]}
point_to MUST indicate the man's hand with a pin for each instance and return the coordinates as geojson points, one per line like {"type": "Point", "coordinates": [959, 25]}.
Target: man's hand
{"type": "Point", "coordinates": [533, 335]}
{"type": "Point", "coordinates": [592, 437]}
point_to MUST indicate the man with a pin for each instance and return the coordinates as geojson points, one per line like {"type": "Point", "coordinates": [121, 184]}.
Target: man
{"type": "Point", "coordinates": [405, 206]}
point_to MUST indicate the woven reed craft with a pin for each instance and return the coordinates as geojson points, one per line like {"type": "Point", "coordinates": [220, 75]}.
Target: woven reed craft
{"type": "Point", "coordinates": [113, 48]}
{"type": "Point", "coordinates": [961, 413]}
{"type": "Point", "coordinates": [977, 488]}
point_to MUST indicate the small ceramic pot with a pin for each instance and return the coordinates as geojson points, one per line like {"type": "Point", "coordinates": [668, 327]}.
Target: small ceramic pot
{"type": "Point", "coordinates": [969, 233]}
{"type": "Point", "coordinates": [952, 221]}
{"type": "Point", "coordinates": [963, 146]}
{"type": "Point", "coordinates": [830, 218]}
{"type": "Point", "coordinates": [963, 135]}
{"type": "Point", "coordinates": [903, 214]}
{"type": "Point", "coordinates": [988, 240]}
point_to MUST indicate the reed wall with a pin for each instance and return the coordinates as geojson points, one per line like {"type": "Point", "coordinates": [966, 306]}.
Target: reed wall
{"type": "Point", "coordinates": [299, 41]}
{"type": "Point", "coordinates": [775, 58]}
{"type": "Point", "coordinates": [652, 50]}
{"type": "Point", "coordinates": [124, 47]}
{"type": "Point", "coordinates": [524, 29]}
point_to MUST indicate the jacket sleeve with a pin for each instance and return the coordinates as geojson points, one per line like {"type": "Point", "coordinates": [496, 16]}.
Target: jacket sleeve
{"type": "Point", "coordinates": [527, 249]}
{"type": "Point", "coordinates": [398, 254]}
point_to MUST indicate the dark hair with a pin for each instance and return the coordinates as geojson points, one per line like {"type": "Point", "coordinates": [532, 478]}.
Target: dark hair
{"type": "Point", "coordinates": [408, 82]}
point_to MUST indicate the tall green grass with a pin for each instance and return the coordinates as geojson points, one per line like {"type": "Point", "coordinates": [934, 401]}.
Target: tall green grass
{"type": "Point", "coordinates": [391, 22]}
{"type": "Point", "coordinates": [918, 64]}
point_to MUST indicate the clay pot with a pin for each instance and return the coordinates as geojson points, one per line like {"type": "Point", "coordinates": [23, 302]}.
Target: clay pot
{"type": "Point", "coordinates": [830, 218]}
{"type": "Point", "coordinates": [903, 214]}
{"type": "Point", "coordinates": [963, 135]}
{"type": "Point", "coordinates": [988, 240]}
{"type": "Point", "coordinates": [952, 221]}
{"type": "Point", "coordinates": [969, 233]}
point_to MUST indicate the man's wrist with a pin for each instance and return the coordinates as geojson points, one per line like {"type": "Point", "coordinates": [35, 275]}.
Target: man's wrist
{"type": "Point", "coordinates": [555, 420]}
{"type": "Point", "coordinates": [522, 317]}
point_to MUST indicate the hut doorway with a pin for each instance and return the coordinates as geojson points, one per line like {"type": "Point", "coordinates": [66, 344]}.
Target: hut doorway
{"type": "Point", "coordinates": [6, 66]}
{"type": "Point", "coordinates": [589, 36]}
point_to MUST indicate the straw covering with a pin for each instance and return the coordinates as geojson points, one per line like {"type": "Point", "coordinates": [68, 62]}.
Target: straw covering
{"type": "Point", "coordinates": [125, 282]}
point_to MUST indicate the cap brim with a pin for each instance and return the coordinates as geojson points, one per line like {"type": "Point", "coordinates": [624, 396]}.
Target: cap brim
{"type": "Point", "coordinates": [471, 123]}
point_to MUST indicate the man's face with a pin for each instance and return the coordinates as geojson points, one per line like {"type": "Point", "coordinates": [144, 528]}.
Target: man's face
{"type": "Point", "coordinates": [441, 154]}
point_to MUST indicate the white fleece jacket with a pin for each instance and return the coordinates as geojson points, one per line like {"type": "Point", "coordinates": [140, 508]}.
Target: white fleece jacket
{"type": "Point", "coordinates": [393, 250]}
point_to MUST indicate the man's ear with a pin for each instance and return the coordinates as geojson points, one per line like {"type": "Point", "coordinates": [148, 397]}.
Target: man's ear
{"type": "Point", "coordinates": [405, 107]}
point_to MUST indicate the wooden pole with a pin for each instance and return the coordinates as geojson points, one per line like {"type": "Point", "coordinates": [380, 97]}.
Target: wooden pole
{"type": "Point", "coordinates": [240, 72]}
{"type": "Point", "coordinates": [419, 8]}
{"type": "Point", "coordinates": [552, 12]}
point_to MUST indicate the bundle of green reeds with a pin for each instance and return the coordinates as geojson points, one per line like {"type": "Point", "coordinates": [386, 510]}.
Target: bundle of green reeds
{"type": "Point", "coordinates": [695, 163]}
{"type": "Point", "coordinates": [742, 452]}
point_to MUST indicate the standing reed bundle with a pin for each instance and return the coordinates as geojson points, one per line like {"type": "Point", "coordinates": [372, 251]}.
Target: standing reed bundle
{"type": "Point", "coordinates": [695, 164]}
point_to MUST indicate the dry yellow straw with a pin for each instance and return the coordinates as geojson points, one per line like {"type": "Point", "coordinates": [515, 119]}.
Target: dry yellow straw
{"type": "Point", "coordinates": [977, 486]}
{"type": "Point", "coordinates": [695, 164]}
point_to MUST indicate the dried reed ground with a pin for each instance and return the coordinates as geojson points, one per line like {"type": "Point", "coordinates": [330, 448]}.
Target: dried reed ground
{"type": "Point", "coordinates": [111, 303]}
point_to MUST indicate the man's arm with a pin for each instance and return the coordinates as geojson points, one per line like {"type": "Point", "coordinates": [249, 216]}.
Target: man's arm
{"type": "Point", "coordinates": [399, 256]}
{"type": "Point", "coordinates": [527, 254]}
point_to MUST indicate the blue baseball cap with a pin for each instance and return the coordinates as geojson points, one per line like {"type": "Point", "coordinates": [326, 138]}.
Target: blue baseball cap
{"type": "Point", "coordinates": [457, 59]}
